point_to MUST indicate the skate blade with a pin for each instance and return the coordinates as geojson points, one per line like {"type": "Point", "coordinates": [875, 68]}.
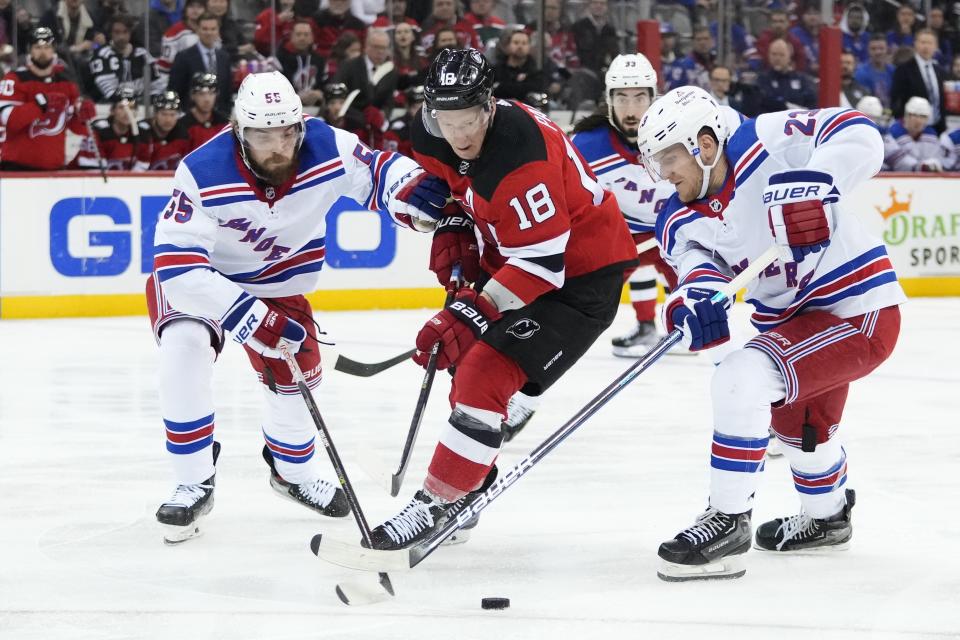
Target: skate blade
{"type": "Point", "coordinates": [364, 590]}
{"type": "Point", "coordinates": [728, 568]}
{"type": "Point", "coordinates": [809, 551]}
{"type": "Point", "coordinates": [174, 535]}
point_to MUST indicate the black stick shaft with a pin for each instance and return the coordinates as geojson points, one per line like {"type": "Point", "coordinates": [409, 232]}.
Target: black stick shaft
{"type": "Point", "coordinates": [327, 442]}
{"type": "Point", "coordinates": [396, 480]}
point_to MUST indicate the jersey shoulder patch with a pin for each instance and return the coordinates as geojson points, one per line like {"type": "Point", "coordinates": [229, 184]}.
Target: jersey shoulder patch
{"type": "Point", "coordinates": [213, 163]}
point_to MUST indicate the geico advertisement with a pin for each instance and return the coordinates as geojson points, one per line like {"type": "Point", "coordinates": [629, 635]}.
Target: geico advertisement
{"type": "Point", "coordinates": [69, 235]}
{"type": "Point", "coordinates": [919, 220]}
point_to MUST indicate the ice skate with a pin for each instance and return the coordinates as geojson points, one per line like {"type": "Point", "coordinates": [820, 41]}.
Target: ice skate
{"type": "Point", "coordinates": [710, 549]}
{"type": "Point", "coordinates": [637, 341]}
{"type": "Point", "coordinates": [320, 495]}
{"type": "Point", "coordinates": [802, 533]}
{"type": "Point", "coordinates": [423, 516]}
{"type": "Point", "coordinates": [180, 516]}
{"type": "Point", "coordinates": [519, 411]}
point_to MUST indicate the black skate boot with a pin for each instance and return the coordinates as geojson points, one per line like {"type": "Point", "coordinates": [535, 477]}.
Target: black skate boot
{"type": "Point", "coordinates": [519, 411]}
{"type": "Point", "coordinates": [181, 514]}
{"type": "Point", "coordinates": [637, 342]}
{"type": "Point", "coordinates": [710, 549]}
{"type": "Point", "coordinates": [320, 496]}
{"type": "Point", "coordinates": [803, 533]}
{"type": "Point", "coordinates": [424, 515]}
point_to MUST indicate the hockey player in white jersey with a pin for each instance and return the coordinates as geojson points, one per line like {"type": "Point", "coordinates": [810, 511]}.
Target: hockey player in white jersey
{"type": "Point", "coordinates": [911, 144]}
{"type": "Point", "coordinates": [609, 143]}
{"type": "Point", "coordinates": [240, 242]}
{"type": "Point", "coordinates": [827, 309]}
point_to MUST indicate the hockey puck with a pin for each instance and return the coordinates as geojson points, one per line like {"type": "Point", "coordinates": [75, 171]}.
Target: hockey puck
{"type": "Point", "coordinates": [495, 603]}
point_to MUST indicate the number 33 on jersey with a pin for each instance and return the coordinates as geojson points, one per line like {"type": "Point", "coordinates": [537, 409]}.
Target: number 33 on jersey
{"type": "Point", "coordinates": [530, 193]}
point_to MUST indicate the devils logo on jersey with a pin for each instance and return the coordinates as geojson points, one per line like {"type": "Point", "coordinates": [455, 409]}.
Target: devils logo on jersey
{"type": "Point", "coordinates": [523, 329]}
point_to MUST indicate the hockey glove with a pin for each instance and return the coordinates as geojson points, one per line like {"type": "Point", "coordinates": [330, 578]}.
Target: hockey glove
{"type": "Point", "coordinates": [798, 220]}
{"type": "Point", "coordinates": [52, 104]}
{"type": "Point", "coordinates": [454, 241]}
{"type": "Point", "coordinates": [417, 200]}
{"type": "Point", "coordinates": [262, 329]}
{"type": "Point", "coordinates": [456, 328]}
{"type": "Point", "coordinates": [703, 323]}
{"type": "Point", "coordinates": [931, 165]}
{"type": "Point", "coordinates": [84, 110]}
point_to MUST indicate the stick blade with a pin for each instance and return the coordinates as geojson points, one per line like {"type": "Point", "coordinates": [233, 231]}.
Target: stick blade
{"type": "Point", "coordinates": [396, 482]}
{"type": "Point", "coordinates": [367, 369]}
{"type": "Point", "coordinates": [363, 591]}
{"type": "Point", "coordinates": [354, 556]}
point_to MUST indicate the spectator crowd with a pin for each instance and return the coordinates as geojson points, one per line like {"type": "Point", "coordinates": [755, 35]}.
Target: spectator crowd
{"type": "Point", "coordinates": [360, 64]}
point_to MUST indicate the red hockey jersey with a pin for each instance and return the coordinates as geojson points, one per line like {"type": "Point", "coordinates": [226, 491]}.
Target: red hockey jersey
{"type": "Point", "coordinates": [164, 154]}
{"type": "Point", "coordinates": [539, 209]}
{"type": "Point", "coordinates": [120, 152]}
{"type": "Point", "coordinates": [36, 138]}
{"type": "Point", "coordinates": [199, 132]}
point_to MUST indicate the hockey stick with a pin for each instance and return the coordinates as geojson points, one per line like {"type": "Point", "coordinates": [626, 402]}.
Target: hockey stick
{"type": "Point", "coordinates": [396, 480]}
{"type": "Point", "coordinates": [362, 369]}
{"type": "Point", "coordinates": [96, 151]}
{"type": "Point", "coordinates": [348, 555]}
{"type": "Point", "coordinates": [343, 593]}
{"type": "Point", "coordinates": [646, 245]}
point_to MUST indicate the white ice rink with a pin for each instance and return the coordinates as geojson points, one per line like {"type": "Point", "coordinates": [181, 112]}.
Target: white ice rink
{"type": "Point", "coordinates": [573, 544]}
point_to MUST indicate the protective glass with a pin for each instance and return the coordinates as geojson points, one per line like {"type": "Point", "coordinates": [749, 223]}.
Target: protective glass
{"type": "Point", "coordinates": [459, 123]}
{"type": "Point", "coordinates": [661, 164]}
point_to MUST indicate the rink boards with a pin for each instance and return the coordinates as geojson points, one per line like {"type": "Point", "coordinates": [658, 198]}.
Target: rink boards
{"type": "Point", "coordinates": [72, 245]}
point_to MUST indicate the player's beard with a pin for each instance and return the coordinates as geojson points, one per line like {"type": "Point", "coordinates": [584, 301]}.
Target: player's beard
{"type": "Point", "coordinates": [629, 127]}
{"type": "Point", "coordinates": [276, 169]}
{"type": "Point", "coordinates": [42, 65]}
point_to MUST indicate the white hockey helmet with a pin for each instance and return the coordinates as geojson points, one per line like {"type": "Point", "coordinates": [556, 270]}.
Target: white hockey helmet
{"type": "Point", "coordinates": [917, 106]}
{"type": "Point", "coordinates": [629, 71]}
{"type": "Point", "coordinates": [677, 118]}
{"type": "Point", "coordinates": [871, 107]}
{"type": "Point", "coordinates": [264, 101]}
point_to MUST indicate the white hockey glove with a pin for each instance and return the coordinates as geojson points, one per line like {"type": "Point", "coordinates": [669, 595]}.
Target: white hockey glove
{"type": "Point", "coordinates": [417, 200]}
{"type": "Point", "coordinates": [262, 329]}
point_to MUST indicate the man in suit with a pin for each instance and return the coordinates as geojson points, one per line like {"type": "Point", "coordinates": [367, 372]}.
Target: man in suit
{"type": "Point", "coordinates": [204, 57]}
{"type": "Point", "coordinates": [920, 76]}
{"type": "Point", "coordinates": [367, 73]}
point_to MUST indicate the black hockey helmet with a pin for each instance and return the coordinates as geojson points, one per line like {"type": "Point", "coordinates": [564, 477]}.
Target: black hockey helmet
{"type": "Point", "coordinates": [203, 81]}
{"type": "Point", "coordinates": [335, 91]}
{"type": "Point", "coordinates": [124, 94]}
{"type": "Point", "coordinates": [167, 100]}
{"type": "Point", "coordinates": [458, 79]}
{"type": "Point", "coordinates": [414, 94]}
{"type": "Point", "coordinates": [42, 35]}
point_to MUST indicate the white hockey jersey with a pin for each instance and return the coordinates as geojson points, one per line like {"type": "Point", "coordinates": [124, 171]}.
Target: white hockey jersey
{"type": "Point", "coordinates": [903, 153]}
{"type": "Point", "coordinates": [712, 239]}
{"type": "Point", "coordinates": [224, 238]}
{"type": "Point", "coordinates": [950, 143]}
{"type": "Point", "coordinates": [618, 169]}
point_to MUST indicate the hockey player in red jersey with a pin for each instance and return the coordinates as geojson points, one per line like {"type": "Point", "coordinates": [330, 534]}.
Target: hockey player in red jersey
{"type": "Point", "coordinates": [118, 138]}
{"type": "Point", "coordinates": [38, 103]}
{"type": "Point", "coordinates": [164, 141]}
{"type": "Point", "coordinates": [203, 121]}
{"type": "Point", "coordinates": [555, 253]}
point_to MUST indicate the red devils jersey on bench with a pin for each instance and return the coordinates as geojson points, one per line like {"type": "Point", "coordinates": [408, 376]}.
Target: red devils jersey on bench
{"type": "Point", "coordinates": [164, 154]}
{"type": "Point", "coordinates": [539, 209]}
{"type": "Point", "coordinates": [120, 152]}
{"type": "Point", "coordinates": [199, 132]}
{"type": "Point", "coordinates": [35, 138]}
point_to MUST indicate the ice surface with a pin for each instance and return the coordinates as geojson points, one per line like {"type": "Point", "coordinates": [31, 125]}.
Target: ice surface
{"type": "Point", "coordinates": [573, 544]}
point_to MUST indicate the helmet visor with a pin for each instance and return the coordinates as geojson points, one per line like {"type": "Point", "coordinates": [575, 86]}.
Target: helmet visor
{"type": "Point", "coordinates": [456, 124]}
{"type": "Point", "coordinates": [662, 164]}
